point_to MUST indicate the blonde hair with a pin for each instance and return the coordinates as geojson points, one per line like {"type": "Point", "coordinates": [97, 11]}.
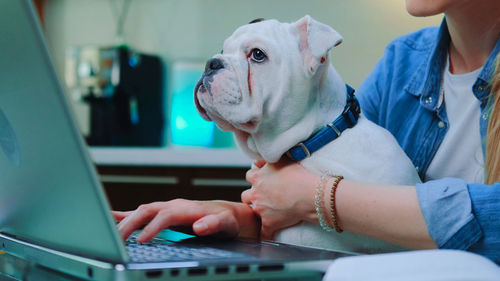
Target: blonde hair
{"type": "Point", "coordinates": [493, 135]}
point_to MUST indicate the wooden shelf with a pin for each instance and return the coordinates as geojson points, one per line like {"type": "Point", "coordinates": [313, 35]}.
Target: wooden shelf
{"type": "Point", "coordinates": [134, 176]}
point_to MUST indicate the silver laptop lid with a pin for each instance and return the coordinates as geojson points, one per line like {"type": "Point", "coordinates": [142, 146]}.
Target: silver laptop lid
{"type": "Point", "coordinates": [49, 191]}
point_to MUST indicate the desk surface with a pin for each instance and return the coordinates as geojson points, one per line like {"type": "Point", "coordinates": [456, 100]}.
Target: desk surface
{"type": "Point", "coordinates": [177, 156]}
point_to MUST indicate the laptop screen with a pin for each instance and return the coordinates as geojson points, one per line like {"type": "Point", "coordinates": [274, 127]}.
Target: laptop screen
{"type": "Point", "coordinates": [49, 191]}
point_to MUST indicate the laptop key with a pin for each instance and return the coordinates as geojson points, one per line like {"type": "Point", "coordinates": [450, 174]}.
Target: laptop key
{"type": "Point", "coordinates": [159, 250]}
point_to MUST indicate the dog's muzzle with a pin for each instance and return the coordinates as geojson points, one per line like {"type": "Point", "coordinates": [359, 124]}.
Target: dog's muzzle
{"type": "Point", "coordinates": [213, 66]}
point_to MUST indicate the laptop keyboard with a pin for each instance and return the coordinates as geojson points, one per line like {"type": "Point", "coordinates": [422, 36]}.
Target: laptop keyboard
{"type": "Point", "coordinates": [161, 250]}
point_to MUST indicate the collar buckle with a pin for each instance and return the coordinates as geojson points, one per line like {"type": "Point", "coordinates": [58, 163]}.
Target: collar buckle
{"type": "Point", "coordinates": [299, 145]}
{"type": "Point", "coordinates": [352, 109]}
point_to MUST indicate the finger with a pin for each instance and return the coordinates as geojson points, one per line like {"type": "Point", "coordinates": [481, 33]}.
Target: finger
{"type": "Point", "coordinates": [136, 219]}
{"type": "Point", "coordinates": [259, 163]}
{"type": "Point", "coordinates": [162, 220]}
{"type": "Point", "coordinates": [251, 175]}
{"type": "Point", "coordinates": [266, 233]}
{"type": "Point", "coordinates": [223, 224]}
{"type": "Point", "coordinates": [120, 215]}
{"type": "Point", "coordinates": [247, 196]}
{"type": "Point", "coordinates": [266, 236]}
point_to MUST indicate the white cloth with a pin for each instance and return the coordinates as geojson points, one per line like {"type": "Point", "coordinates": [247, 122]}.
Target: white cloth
{"type": "Point", "coordinates": [460, 154]}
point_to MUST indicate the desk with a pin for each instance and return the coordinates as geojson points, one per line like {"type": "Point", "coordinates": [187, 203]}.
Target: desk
{"type": "Point", "coordinates": [134, 176]}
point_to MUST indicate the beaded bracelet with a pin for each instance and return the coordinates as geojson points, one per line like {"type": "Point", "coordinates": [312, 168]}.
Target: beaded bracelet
{"type": "Point", "coordinates": [318, 202]}
{"type": "Point", "coordinates": [333, 206]}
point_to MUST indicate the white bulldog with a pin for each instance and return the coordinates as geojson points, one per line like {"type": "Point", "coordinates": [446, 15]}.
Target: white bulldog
{"type": "Point", "coordinates": [273, 86]}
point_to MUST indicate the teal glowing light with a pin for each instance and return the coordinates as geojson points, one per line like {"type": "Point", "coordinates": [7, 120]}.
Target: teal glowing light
{"type": "Point", "coordinates": [186, 125]}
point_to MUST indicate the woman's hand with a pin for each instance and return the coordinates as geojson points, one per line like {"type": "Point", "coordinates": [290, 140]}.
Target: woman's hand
{"type": "Point", "coordinates": [220, 218]}
{"type": "Point", "coordinates": [282, 194]}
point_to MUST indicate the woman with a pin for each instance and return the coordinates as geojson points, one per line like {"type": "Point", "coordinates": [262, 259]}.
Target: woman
{"type": "Point", "coordinates": [438, 129]}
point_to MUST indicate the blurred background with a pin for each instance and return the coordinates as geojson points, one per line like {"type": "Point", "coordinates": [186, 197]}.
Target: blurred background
{"type": "Point", "coordinates": [130, 66]}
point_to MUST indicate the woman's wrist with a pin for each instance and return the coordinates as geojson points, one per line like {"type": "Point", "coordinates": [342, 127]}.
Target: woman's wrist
{"type": "Point", "coordinates": [316, 185]}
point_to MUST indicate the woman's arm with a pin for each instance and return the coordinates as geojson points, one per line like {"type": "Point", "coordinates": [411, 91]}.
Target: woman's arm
{"type": "Point", "coordinates": [283, 195]}
{"type": "Point", "coordinates": [385, 212]}
{"type": "Point", "coordinates": [446, 213]}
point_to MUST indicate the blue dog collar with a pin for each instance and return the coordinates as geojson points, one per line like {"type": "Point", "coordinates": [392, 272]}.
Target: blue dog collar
{"type": "Point", "coordinates": [347, 119]}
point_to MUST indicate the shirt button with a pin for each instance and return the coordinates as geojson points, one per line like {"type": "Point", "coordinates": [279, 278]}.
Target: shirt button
{"type": "Point", "coordinates": [441, 124]}
{"type": "Point", "coordinates": [480, 88]}
{"type": "Point", "coordinates": [485, 116]}
{"type": "Point", "coordinates": [428, 100]}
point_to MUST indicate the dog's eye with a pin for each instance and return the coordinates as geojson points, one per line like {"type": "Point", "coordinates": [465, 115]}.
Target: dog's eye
{"type": "Point", "coordinates": [258, 55]}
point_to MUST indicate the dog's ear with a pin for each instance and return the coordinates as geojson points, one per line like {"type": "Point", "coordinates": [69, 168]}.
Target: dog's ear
{"type": "Point", "coordinates": [315, 40]}
{"type": "Point", "coordinates": [256, 20]}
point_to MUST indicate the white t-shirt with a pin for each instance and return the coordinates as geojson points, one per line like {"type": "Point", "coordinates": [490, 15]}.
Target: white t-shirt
{"type": "Point", "coordinates": [460, 155]}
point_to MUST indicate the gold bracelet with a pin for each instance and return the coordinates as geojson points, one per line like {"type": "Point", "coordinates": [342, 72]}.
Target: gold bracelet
{"type": "Point", "coordinates": [334, 207]}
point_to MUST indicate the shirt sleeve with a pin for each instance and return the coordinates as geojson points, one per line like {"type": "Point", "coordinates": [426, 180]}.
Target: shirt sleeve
{"type": "Point", "coordinates": [369, 95]}
{"type": "Point", "coordinates": [462, 216]}
{"type": "Point", "coordinates": [376, 86]}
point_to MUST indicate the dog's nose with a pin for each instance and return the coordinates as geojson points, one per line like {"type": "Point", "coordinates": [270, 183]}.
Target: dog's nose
{"type": "Point", "coordinates": [213, 65]}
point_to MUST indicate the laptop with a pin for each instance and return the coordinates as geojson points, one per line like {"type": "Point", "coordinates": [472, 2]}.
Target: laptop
{"type": "Point", "coordinates": [53, 210]}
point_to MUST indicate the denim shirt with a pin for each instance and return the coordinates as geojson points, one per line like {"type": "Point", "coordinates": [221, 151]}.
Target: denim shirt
{"type": "Point", "coordinates": [402, 95]}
